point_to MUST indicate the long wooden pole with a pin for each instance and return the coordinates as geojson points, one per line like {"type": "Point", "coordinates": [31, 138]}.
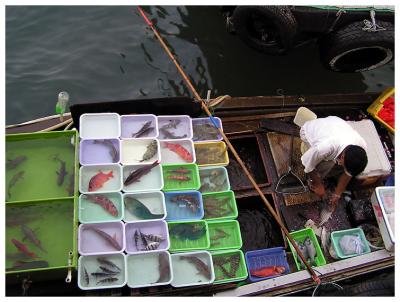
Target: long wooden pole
{"type": "Point", "coordinates": [231, 148]}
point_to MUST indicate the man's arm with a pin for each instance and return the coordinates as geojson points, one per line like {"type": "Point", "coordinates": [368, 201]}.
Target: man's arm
{"type": "Point", "coordinates": [343, 181]}
{"type": "Point", "coordinates": [316, 185]}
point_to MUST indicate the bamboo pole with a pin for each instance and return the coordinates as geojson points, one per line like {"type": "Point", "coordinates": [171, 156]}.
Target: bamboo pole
{"type": "Point", "coordinates": [231, 148]}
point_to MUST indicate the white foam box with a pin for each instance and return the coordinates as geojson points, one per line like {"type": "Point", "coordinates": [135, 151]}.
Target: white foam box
{"type": "Point", "coordinates": [383, 204]}
{"type": "Point", "coordinates": [378, 162]}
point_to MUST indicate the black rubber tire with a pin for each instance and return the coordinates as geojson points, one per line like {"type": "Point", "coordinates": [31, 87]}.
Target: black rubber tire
{"type": "Point", "coordinates": [351, 49]}
{"type": "Point", "coordinates": [376, 288]}
{"type": "Point", "coordinates": [276, 24]}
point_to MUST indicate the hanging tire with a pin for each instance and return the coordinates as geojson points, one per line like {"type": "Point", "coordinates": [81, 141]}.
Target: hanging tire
{"type": "Point", "coordinates": [352, 49]}
{"type": "Point", "coordinates": [269, 29]}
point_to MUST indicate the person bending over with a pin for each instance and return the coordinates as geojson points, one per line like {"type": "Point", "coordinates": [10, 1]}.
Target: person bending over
{"type": "Point", "coordinates": [331, 147]}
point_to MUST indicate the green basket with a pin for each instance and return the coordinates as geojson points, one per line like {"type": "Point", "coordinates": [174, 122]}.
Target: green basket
{"type": "Point", "coordinates": [219, 206]}
{"type": "Point", "coordinates": [300, 236]}
{"type": "Point", "coordinates": [186, 242]}
{"type": "Point", "coordinates": [181, 185]}
{"type": "Point", "coordinates": [224, 234]}
{"type": "Point", "coordinates": [337, 235]}
{"type": "Point", "coordinates": [223, 266]}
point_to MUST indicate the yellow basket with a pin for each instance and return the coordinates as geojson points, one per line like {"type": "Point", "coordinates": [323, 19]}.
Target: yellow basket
{"type": "Point", "coordinates": [211, 154]}
{"type": "Point", "coordinates": [377, 105]}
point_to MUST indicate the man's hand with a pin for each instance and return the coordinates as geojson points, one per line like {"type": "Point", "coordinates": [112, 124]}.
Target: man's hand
{"type": "Point", "coordinates": [317, 188]}
{"type": "Point", "coordinates": [334, 199]}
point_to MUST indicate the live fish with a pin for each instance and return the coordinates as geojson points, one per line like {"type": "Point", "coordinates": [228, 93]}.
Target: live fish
{"type": "Point", "coordinates": [151, 150]}
{"type": "Point", "coordinates": [62, 172]}
{"type": "Point", "coordinates": [137, 208]}
{"type": "Point", "coordinates": [187, 231]}
{"type": "Point", "coordinates": [179, 177]}
{"type": "Point", "coordinates": [135, 175]}
{"type": "Point", "coordinates": [142, 131]}
{"type": "Point", "coordinates": [204, 132]}
{"type": "Point", "coordinates": [104, 274]}
{"type": "Point", "coordinates": [86, 276]}
{"type": "Point", "coordinates": [104, 202]}
{"type": "Point", "coordinates": [219, 234]}
{"type": "Point", "coordinates": [163, 267]}
{"type": "Point", "coordinates": [136, 238]}
{"type": "Point", "coordinates": [172, 124]}
{"type": "Point", "coordinates": [107, 280]}
{"type": "Point", "coordinates": [224, 270]}
{"type": "Point", "coordinates": [153, 237]}
{"type": "Point", "coordinates": [180, 171]}
{"type": "Point", "coordinates": [187, 200]}
{"type": "Point", "coordinates": [108, 263]}
{"type": "Point", "coordinates": [23, 248]}
{"type": "Point", "coordinates": [98, 180]}
{"type": "Point", "coordinates": [168, 134]}
{"type": "Point", "coordinates": [111, 240]}
{"type": "Point", "coordinates": [113, 151]}
{"type": "Point", "coordinates": [235, 262]}
{"type": "Point", "coordinates": [24, 265]}
{"type": "Point", "coordinates": [31, 236]}
{"type": "Point", "coordinates": [180, 150]}
{"type": "Point", "coordinates": [268, 271]}
{"type": "Point", "coordinates": [304, 252]}
{"type": "Point", "coordinates": [13, 163]}
{"type": "Point", "coordinates": [152, 246]}
{"type": "Point", "coordinates": [201, 267]}
{"type": "Point", "coordinates": [107, 270]}
{"type": "Point", "coordinates": [312, 253]}
{"type": "Point", "coordinates": [13, 181]}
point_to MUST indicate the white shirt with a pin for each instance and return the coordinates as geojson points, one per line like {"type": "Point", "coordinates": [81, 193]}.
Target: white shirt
{"type": "Point", "coordinates": [327, 138]}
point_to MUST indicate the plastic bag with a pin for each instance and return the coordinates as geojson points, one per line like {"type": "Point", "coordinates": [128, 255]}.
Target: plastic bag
{"type": "Point", "coordinates": [351, 244]}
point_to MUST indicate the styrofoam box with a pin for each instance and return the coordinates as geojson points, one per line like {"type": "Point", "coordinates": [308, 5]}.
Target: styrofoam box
{"type": "Point", "coordinates": [99, 125]}
{"type": "Point", "coordinates": [378, 163]}
{"type": "Point", "coordinates": [383, 218]}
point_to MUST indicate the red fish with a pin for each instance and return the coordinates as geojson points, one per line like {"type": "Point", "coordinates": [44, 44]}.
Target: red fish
{"type": "Point", "coordinates": [23, 249]}
{"type": "Point", "coordinates": [104, 202]}
{"type": "Point", "coordinates": [268, 271]}
{"type": "Point", "coordinates": [180, 150]}
{"type": "Point", "coordinates": [97, 181]}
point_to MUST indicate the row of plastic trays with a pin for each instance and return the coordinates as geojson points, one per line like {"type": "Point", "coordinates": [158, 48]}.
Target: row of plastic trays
{"type": "Point", "coordinates": [171, 206]}
{"type": "Point", "coordinates": [114, 178]}
{"type": "Point", "coordinates": [113, 125]}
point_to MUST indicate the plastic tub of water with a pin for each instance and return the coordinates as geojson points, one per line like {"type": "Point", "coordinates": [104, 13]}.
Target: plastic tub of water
{"type": "Point", "coordinates": [173, 127]}
{"type": "Point", "coordinates": [205, 130]}
{"type": "Point", "coordinates": [259, 259]}
{"type": "Point", "coordinates": [181, 177]}
{"type": "Point", "coordinates": [99, 151]}
{"type": "Point", "coordinates": [132, 124]}
{"type": "Point", "coordinates": [184, 205]}
{"type": "Point", "coordinates": [88, 265]}
{"type": "Point", "coordinates": [149, 269]}
{"type": "Point", "coordinates": [99, 125]}
{"type": "Point", "coordinates": [186, 269]}
{"type": "Point", "coordinates": [91, 242]}
{"type": "Point", "coordinates": [336, 236]}
{"type": "Point", "coordinates": [155, 234]}
{"type": "Point", "coordinates": [105, 178]}
{"type": "Point", "coordinates": [220, 206]}
{"type": "Point", "coordinates": [188, 235]}
{"type": "Point", "coordinates": [211, 154]}
{"type": "Point", "coordinates": [229, 266]}
{"type": "Point", "coordinates": [134, 151]}
{"type": "Point", "coordinates": [300, 236]}
{"type": "Point", "coordinates": [177, 151]}
{"type": "Point", "coordinates": [151, 181]}
{"type": "Point", "coordinates": [144, 206]}
{"type": "Point", "coordinates": [92, 211]}
{"type": "Point", "coordinates": [213, 179]}
{"type": "Point", "coordinates": [224, 235]}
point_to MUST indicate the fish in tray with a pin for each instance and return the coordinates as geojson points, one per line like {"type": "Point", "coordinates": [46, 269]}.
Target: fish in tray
{"type": "Point", "coordinates": [104, 202]}
{"type": "Point", "coordinates": [146, 128]}
{"type": "Point", "coordinates": [163, 267]}
{"type": "Point", "coordinates": [205, 131]}
{"type": "Point", "coordinates": [135, 175]}
{"type": "Point", "coordinates": [311, 251]}
{"type": "Point", "coordinates": [13, 163]}
{"type": "Point", "coordinates": [13, 181]}
{"type": "Point", "coordinates": [304, 252]}
{"type": "Point", "coordinates": [110, 239]}
{"type": "Point", "coordinates": [25, 265]}
{"type": "Point", "coordinates": [268, 271]}
{"type": "Point", "coordinates": [62, 171]}
{"type": "Point", "coordinates": [187, 231]}
{"type": "Point", "coordinates": [179, 177]}
{"type": "Point", "coordinates": [31, 236]}
{"type": "Point", "coordinates": [113, 151]}
{"type": "Point", "coordinates": [98, 180]}
{"type": "Point", "coordinates": [149, 241]}
{"type": "Point", "coordinates": [23, 248]}
{"type": "Point", "coordinates": [180, 150]}
{"type": "Point", "coordinates": [201, 267]}
{"type": "Point", "coordinates": [186, 200]}
{"type": "Point", "coordinates": [151, 150]}
{"type": "Point", "coordinates": [108, 263]}
{"type": "Point", "coordinates": [137, 208]}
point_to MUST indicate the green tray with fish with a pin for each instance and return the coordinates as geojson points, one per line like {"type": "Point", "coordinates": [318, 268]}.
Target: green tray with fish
{"type": "Point", "coordinates": [301, 236]}
{"type": "Point", "coordinates": [224, 234]}
{"type": "Point", "coordinates": [41, 239]}
{"type": "Point", "coordinates": [229, 266]}
{"type": "Point", "coordinates": [41, 165]}
{"type": "Point", "coordinates": [219, 206]}
{"type": "Point", "coordinates": [188, 236]}
{"type": "Point", "coordinates": [181, 177]}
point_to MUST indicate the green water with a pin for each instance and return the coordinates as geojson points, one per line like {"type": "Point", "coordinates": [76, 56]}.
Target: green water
{"type": "Point", "coordinates": [52, 223]}
{"type": "Point", "coordinates": [39, 180]}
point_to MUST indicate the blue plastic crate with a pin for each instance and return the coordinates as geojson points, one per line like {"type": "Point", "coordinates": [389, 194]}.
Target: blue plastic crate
{"type": "Point", "coordinates": [263, 258]}
{"type": "Point", "coordinates": [185, 209]}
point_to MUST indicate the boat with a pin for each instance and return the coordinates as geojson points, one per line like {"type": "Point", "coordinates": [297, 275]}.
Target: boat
{"type": "Point", "coordinates": [241, 117]}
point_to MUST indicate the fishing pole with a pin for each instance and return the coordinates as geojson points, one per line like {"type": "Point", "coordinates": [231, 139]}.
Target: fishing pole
{"type": "Point", "coordinates": [232, 149]}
